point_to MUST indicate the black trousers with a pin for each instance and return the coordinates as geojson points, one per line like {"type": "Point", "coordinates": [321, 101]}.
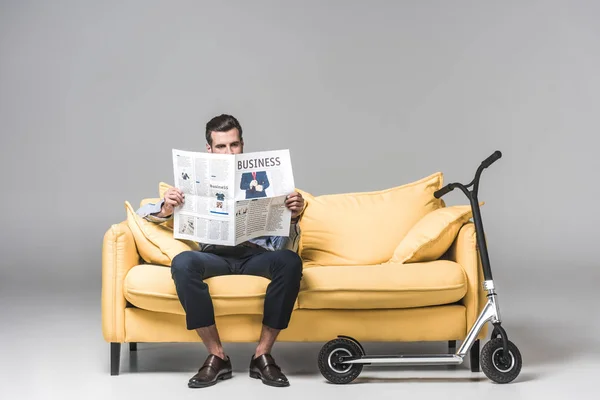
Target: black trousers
{"type": "Point", "coordinates": [283, 267]}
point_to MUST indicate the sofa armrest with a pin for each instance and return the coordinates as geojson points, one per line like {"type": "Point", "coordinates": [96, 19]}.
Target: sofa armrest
{"type": "Point", "coordinates": [465, 252]}
{"type": "Point", "coordinates": [119, 255]}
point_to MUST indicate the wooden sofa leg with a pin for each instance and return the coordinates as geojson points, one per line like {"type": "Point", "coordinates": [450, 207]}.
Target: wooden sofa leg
{"type": "Point", "coordinates": [452, 350]}
{"type": "Point", "coordinates": [451, 346]}
{"type": "Point", "coordinates": [133, 346]}
{"type": "Point", "coordinates": [474, 356]}
{"type": "Point", "coordinates": [115, 358]}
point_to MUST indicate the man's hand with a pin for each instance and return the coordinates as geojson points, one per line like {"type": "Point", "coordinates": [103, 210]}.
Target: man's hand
{"type": "Point", "coordinates": [173, 198]}
{"type": "Point", "coordinates": [253, 183]}
{"type": "Point", "coordinates": [295, 202]}
{"type": "Point", "coordinates": [259, 188]}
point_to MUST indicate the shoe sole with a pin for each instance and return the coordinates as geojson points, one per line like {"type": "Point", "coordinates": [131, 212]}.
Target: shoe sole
{"type": "Point", "coordinates": [256, 375]}
{"type": "Point", "coordinates": [227, 375]}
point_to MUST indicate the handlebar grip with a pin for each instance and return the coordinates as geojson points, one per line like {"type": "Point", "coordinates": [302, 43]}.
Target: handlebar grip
{"type": "Point", "coordinates": [443, 191]}
{"type": "Point", "coordinates": [491, 159]}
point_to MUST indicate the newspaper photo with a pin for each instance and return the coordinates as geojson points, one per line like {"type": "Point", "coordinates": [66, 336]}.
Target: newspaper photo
{"type": "Point", "coordinates": [232, 198]}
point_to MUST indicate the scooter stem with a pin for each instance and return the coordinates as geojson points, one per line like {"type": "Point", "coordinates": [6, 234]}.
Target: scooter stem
{"type": "Point", "coordinates": [480, 236]}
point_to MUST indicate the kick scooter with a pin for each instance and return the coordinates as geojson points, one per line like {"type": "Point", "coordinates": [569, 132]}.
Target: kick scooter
{"type": "Point", "coordinates": [341, 360]}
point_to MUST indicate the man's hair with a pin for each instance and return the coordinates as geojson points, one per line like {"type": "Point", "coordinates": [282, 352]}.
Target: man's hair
{"type": "Point", "coordinates": [222, 123]}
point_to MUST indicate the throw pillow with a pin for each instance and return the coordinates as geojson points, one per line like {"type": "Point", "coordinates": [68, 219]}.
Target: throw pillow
{"type": "Point", "coordinates": [155, 242]}
{"type": "Point", "coordinates": [432, 235]}
{"type": "Point", "coordinates": [162, 189]}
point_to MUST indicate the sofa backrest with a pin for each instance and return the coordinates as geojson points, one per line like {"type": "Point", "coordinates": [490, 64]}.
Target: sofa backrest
{"type": "Point", "coordinates": [363, 228]}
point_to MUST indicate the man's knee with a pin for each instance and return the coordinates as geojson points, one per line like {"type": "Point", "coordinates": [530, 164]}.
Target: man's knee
{"type": "Point", "coordinates": [290, 263]}
{"type": "Point", "coordinates": [185, 263]}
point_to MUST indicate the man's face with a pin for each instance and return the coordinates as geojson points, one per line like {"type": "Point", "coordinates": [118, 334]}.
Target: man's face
{"type": "Point", "coordinates": [226, 142]}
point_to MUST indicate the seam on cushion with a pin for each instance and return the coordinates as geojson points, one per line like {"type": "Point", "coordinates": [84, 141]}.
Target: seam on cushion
{"type": "Point", "coordinates": [446, 228]}
{"type": "Point", "coordinates": [385, 290]}
{"type": "Point", "coordinates": [313, 264]}
{"type": "Point", "coordinates": [171, 296]}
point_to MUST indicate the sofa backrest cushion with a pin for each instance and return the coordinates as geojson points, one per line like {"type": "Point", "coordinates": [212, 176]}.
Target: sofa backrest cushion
{"type": "Point", "coordinates": [363, 228]}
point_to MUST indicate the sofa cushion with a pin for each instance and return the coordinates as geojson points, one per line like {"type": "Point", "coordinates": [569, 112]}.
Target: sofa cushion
{"type": "Point", "coordinates": [155, 242]}
{"type": "Point", "coordinates": [433, 235]}
{"type": "Point", "coordinates": [363, 228]}
{"type": "Point", "coordinates": [382, 286]}
{"type": "Point", "coordinates": [162, 189]}
{"type": "Point", "coordinates": [151, 287]}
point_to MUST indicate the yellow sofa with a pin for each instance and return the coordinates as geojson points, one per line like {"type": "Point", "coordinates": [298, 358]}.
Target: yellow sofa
{"type": "Point", "coordinates": [389, 265]}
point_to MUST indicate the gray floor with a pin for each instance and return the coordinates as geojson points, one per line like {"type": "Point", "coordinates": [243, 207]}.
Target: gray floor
{"type": "Point", "coordinates": [54, 349]}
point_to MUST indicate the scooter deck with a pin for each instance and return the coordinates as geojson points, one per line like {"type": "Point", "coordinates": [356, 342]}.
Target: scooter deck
{"type": "Point", "coordinates": [413, 359]}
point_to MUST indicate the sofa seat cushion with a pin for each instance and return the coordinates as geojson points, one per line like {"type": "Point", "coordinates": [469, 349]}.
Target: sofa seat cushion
{"type": "Point", "coordinates": [386, 286]}
{"type": "Point", "coordinates": [151, 287]}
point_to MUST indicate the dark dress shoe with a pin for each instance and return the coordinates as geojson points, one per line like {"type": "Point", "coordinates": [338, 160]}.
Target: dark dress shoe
{"type": "Point", "coordinates": [265, 369]}
{"type": "Point", "coordinates": [213, 370]}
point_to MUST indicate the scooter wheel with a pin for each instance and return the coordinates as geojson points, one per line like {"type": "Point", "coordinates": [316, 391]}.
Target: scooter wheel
{"type": "Point", "coordinates": [496, 365]}
{"type": "Point", "coordinates": [329, 361]}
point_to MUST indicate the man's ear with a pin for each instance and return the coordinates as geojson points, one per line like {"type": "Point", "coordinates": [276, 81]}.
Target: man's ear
{"type": "Point", "coordinates": [208, 148]}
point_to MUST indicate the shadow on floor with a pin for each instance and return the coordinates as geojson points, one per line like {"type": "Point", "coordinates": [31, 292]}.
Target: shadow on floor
{"type": "Point", "coordinates": [551, 343]}
{"type": "Point", "coordinates": [540, 343]}
{"type": "Point", "coordinates": [526, 377]}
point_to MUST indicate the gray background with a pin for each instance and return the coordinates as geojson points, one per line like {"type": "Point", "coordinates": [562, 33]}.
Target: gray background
{"type": "Point", "coordinates": [366, 95]}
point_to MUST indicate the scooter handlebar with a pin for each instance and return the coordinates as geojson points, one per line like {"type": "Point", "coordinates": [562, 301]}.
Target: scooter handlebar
{"type": "Point", "coordinates": [484, 164]}
{"type": "Point", "coordinates": [491, 159]}
{"type": "Point", "coordinates": [443, 191]}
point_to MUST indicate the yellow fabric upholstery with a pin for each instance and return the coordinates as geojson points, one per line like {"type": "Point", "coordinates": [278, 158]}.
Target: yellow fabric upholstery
{"type": "Point", "coordinates": [350, 286]}
{"type": "Point", "coordinates": [119, 255]}
{"type": "Point", "coordinates": [431, 237]}
{"type": "Point", "coordinates": [382, 287]}
{"type": "Point", "coordinates": [409, 325]}
{"type": "Point", "coordinates": [162, 188]}
{"type": "Point", "coordinates": [151, 287]}
{"type": "Point", "coordinates": [363, 228]}
{"type": "Point", "coordinates": [155, 242]}
{"type": "Point", "coordinates": [464, 251]}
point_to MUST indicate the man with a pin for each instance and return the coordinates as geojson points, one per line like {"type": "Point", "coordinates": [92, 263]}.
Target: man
{"type": "Point", "coordinates": [274, 258]}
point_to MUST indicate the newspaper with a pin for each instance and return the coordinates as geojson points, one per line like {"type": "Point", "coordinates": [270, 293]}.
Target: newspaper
{"type": "Point", "coordinates": [232, 198]}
